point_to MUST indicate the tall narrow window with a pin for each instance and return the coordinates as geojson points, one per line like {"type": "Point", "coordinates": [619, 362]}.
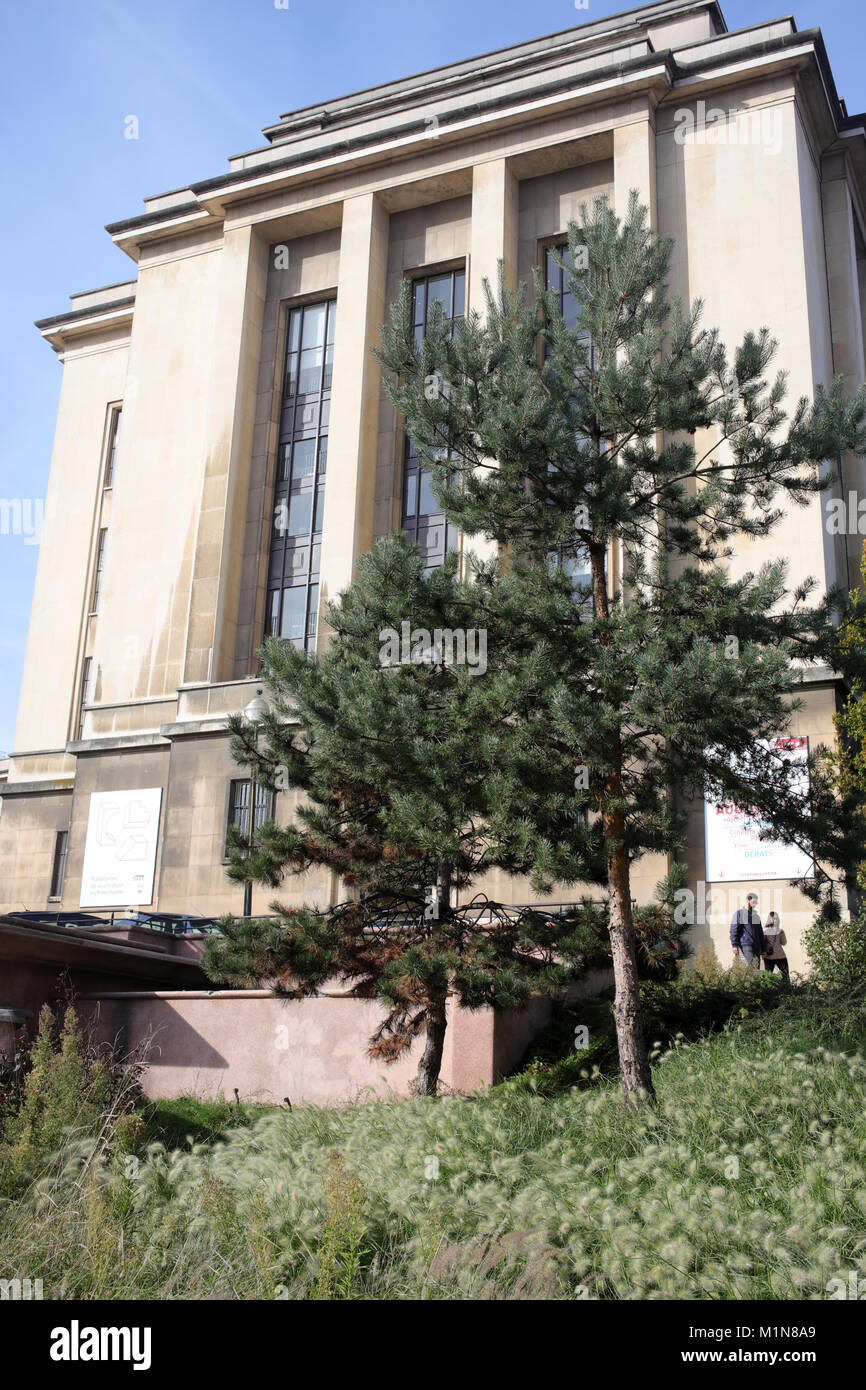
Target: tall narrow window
{"type": "Point", "coordinates": [423, 519]}
{"type": "Point", "coordinates": [58, 868]}
{"type": "Point", "coordinates": [239, 806]}
{"type": "Point", "coordinates": [299, 495]}
{"type": "Point", "coordinates": [86, 692]}
{"type": "Point", "coordinates": [556, 279]}
{"type": "Point", "coordinates": [574, 561]}
{"type": "Point", "coordinates": [113, 440]}
{"type": "Point", "coordinates": [100, 569]}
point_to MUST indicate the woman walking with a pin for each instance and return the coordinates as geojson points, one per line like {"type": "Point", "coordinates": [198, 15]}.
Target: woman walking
{"type": "Point", "coordinates": [775, 939]}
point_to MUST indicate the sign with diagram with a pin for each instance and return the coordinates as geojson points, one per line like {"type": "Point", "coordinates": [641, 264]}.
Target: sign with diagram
{"type": "Point", "coordinates": [734, 850]}
{"type": "Point", "coordinates": [120, 851]}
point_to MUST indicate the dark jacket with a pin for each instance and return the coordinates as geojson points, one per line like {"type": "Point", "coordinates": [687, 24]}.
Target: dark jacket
{"type": "Point", "coordinates": [747, 933]}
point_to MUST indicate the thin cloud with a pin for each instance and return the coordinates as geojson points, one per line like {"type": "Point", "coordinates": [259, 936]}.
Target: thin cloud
{"type": "Point", "coordinates": [168, 59]}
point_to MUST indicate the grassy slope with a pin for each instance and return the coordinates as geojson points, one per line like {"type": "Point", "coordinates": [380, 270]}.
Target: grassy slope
{"type": "Point", "coordinates": [746, 1180]}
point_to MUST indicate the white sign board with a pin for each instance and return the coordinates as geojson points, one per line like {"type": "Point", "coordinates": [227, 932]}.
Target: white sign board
{"type": "Point", "coordinates": [735, 852]}
{"type": "Point", "coordinates": [120, 852]}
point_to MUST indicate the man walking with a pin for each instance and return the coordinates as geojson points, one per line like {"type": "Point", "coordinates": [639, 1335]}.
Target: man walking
{"type": "Point", "coordinates": [747, 934]}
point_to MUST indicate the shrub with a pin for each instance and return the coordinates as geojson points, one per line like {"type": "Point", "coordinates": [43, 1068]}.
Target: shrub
{"type": "Point", "coordinates": [130, 1132]}
{"type": "Point", "coordinates": [189, 1119]}
{"type": "Point", "coordinates": [70, 1090]}
{"type": "Point", "coordinates": [837, 950]}
{"type": "Point", "coordinates": [705, 998]}
{"type": "Point", "coordinates": [342, 1241]}
{"type": "Point", "coordinates": [701, 998]}
{"type": "Point", "coordinates": [555, 1062]}
{"type": "Point", "coordinates": [707, 967]}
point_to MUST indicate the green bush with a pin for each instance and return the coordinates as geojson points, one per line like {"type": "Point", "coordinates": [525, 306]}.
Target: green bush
{"type": "Point", "coordinates": [70, 1090]}
{"type": "Point", "coordinates": [701, 998]}
{"type": "Point", "coordinates": [342, 1244]}
{"type": "Point", "coordinates": [837, 950]}
{"type": "Point", "coordinates": [188, 1119]}
{"type": "Point", "coordinates": [555, 1062]}
{"type": "Point", "coordinates": [130, 1132]}
{"type": "Point", "coordinates": [705, 998]}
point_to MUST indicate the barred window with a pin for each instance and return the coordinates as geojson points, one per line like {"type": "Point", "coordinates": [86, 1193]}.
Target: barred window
{"type": "Point", "coordinates": [574, 561]}
{"type": "Point", "coordinates": [423, 520]}
{"type": "Point", "coordinates": [86, 693]}
{"type": "Point", "coordinates": [58, 868]}
{"type": "Point", "coordinates": [556, 279]}
{"type": "Point", "coordinates": [299, 495]}
{"type": "Point", "coordinates": [239, 806]}
{"type": "Point", "coordinates": [99, 572]}
{"type": "Point", "coordinates": [113, 441]}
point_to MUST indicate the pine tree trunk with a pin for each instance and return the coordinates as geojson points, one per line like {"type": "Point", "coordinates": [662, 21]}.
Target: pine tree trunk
{"type": "Point", "coordinates": [634, 1067]}
{"type": "Point", "coordinates": [427, 1080]}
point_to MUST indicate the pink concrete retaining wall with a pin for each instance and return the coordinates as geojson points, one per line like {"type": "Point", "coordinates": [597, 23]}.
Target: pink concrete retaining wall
{"type": "Point", "coordinates": [311, 1050]}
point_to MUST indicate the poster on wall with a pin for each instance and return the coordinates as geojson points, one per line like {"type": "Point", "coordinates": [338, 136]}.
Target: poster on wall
{"type": "Point", "coordinates": [734, 850]}
{"type": "Point", "coordinates": [120, 851]}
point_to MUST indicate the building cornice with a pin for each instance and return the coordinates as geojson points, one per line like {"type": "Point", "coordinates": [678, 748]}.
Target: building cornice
{"type": "Point", "coordinates": [34, 786]}
{"type": "Point", "coordinates": [660, 75]}
{"type": "Point", "coordinates": [650, 73]}
{"type": "Point", "coordinates": [318, 145]}
{"type": "Point", "coordinates": [483, 70]}
{"type": "Point", "coordinates": [112, 313]}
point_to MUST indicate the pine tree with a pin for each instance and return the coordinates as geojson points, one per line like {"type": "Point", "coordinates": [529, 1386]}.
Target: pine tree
{"type": "Point", "coordinates": [630, 434]}
{"type": "Point", "coordinates": [851, 720]}
{"type": "Point", "coordinates": [393, 742]}
{"type": "Point", "coordinates": [850, 756]}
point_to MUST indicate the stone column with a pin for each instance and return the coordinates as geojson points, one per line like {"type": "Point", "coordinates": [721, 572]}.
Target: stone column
{"type": "Point", "coordinates": [494, 228]}
{"type": "Point", "coordinates": [215, 580]}
{"type": "Point", "coordinates": [844, 275]}
{"type": "Point", "coordinates": [634, 166]}
{"type": "Point", "coordinates": [634, 162]}
{"type": "Point", "coordinates": [495, 209]}
{"type": "Point", "coordinates": [353, 431]}
{"type": "Point", "coordinates": [843, 272]}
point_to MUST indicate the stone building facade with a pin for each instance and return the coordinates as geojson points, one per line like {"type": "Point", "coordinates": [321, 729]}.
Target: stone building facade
{"type": "Point", "coordinates": [232, 374]}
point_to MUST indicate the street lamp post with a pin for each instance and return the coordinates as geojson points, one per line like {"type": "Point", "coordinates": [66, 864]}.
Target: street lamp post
{"type": "Point", "coordinates": [254, 713]}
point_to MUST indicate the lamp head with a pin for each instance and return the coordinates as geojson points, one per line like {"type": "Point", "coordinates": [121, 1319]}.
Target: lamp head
{"type": "Point", "coordinates": [257, 708]}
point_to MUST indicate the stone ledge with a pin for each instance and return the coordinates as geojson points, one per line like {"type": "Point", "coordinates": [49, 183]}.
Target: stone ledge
{"type": "Point", "coordinates": [35, 787]}
{"type": "Point", "coordinates": [111, 742]}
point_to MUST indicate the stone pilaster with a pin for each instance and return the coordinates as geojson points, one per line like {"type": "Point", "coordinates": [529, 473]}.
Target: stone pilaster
{"type": "Point", "coordinates": [494, 228]}
{"type": "Point", "coordinates": [352, 438]}
{"type": "Point", "coordinates": [634, 163]}
{"type": "Point", "coordinates": [225, 478]}
{"type": "Point", "coordinates": [494, 238]}
{"type": "Point", "coordinates": [844, 278]}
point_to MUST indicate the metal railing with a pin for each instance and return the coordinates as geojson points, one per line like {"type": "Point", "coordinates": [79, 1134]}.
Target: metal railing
{"type": "Point", "coordinates": [165, 923]}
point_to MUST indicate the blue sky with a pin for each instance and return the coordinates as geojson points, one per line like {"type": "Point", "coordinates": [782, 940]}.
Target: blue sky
{"type": "Point", "coordinates": [203, 77]}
